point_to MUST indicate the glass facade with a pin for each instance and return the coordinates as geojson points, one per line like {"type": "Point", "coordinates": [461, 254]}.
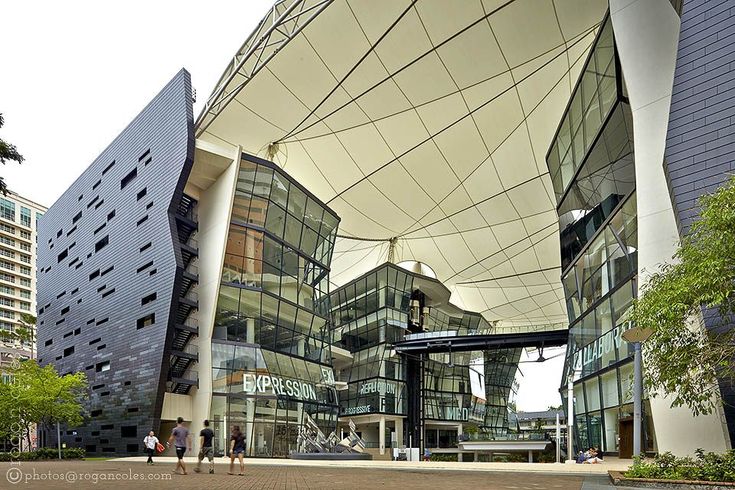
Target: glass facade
{"type": "Point", "coordinates": [592, 164]}
{"type": "Point", "coordinates": [270, 347]}
{"type": "Point", "coordinates": [382, 307]}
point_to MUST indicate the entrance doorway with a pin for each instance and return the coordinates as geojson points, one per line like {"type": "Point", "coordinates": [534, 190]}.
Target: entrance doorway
{"type": "Point", "coordinates": [626, 438]}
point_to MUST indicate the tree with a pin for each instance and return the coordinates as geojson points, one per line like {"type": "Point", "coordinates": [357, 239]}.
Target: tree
{"type": "Point", "coordinates": [26, 332]}
{"type": "Point", "coordinates": [38, 395]}
{"type": "Point", "coordinates": [7, 152]}
{"type": "Point", "coordinates": [683, 359]}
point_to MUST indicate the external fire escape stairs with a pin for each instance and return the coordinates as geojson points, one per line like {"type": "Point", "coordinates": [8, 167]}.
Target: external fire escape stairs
{"type": "Point", "coordinates": [183, 354]}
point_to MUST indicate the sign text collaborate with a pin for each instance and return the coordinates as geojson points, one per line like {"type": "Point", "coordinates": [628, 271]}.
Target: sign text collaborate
{"type": "Point", "coordinates": [262, 383]}
{"type": "Point", "coordinates": [603, 346]}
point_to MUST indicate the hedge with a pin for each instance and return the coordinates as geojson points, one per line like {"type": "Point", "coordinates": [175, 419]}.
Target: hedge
{"type": "Point", "coordinates": [703, 467]}
{"type": "Point", "coordinates": [45, 453]}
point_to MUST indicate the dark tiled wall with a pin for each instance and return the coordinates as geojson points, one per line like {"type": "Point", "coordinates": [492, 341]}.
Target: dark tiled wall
{"type": "Point", "coordinates": [114, 219]}
{"type": "Point", "coordinates": [700, 149]}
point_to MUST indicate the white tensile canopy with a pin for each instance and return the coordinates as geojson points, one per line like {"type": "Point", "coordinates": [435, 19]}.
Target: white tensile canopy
{"type": "Point", "coordinates": [426, 122]}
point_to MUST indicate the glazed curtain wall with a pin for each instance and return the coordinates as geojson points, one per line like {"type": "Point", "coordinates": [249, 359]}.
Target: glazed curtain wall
{"type": "Point", "coordinates": [275, 275]}
{"type": "Point", "coordinates": [590, 105]}
{"type": "Point", "coordinates": [372, 312]}
{"type": "Point", "coordinates": [270, 351]}
{"type": "Point", "coordinates": [267, 394]}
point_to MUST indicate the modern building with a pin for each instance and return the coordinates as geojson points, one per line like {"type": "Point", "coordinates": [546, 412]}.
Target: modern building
{"type": "Point", "coordinates": [602, 185]}
{"type": "Point", "coordinates": [540, 424]}
{"type": "Point", "coordinates": [18, 231]}
{"type": "Point", "coordinates": [406, 400]}
{"type": "Point", "coordinates": [540, 169]}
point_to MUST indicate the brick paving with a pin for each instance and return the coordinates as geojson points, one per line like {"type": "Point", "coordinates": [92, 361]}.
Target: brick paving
{"type": "Point", "coordinates": [128, 475]}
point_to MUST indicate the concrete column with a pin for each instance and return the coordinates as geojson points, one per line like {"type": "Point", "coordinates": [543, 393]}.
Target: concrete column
{"type": "Point", "coordinates": [530, 456]}
{"type": "Point", "coordinates": [459, 433]}
{"type": "Point", "coordinates": [399, 432]}
{"type": "Point", "coordinates": [381, 434]}
{"type": "Point", "coordinates": [214, 208]}
{"type": "Point", "coordinates": [250, 437]}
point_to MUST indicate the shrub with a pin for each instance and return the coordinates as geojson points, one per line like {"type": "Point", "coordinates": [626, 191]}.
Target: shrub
{"type": "Point", "coordinates": [46, 453]}
{"type": "Point", "coordinates": [443, 457]}
{"type": "Point", "coordinates": [704, 466]}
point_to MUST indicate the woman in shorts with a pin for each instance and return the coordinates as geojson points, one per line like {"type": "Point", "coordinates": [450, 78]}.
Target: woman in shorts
{"type": "Point", "coordinates": [237, 449]}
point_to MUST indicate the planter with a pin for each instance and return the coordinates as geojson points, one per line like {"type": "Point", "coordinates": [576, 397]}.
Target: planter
{"type": "Point", "coordinates": [618, 478]}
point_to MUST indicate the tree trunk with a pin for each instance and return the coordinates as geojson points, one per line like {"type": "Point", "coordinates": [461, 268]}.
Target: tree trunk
{"type": "Point", "coordinates": [28, 437]}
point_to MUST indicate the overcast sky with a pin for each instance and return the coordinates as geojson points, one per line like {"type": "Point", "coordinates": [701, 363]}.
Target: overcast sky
{"type": "Point", "coordinates": [74, 73]}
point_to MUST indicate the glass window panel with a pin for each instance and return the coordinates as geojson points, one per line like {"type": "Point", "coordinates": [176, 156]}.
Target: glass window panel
{"type": "Point", "coordinates": [246, 177]}
{"type": "Point", "coordinates": [241, 208]}
{"type": "Point", "coordinates": [313, 216]}
{"type": "Point", "coordinates": [626, 382]}
{"type": "Point", "coordinates": [279, 190]}
{"type": "Point", "coordinates": [609, 383]}
{"type": "Point", "coordinates": [263, 180]}
{"type": "Point", "coordinates": [249, 305]}
{"type": "Point", "coordinates": [622, 299]}
{"type": "Point", "coordinates": [269, 306]}
{"type": "Point", "coordinates": [232, 268]}
{"type": "Point", "coordinates": [579, 404]}
{"type": "Point", "coordinates": [222, 355]}
{"type": "Point", "coordinates": [293, 230]}
{"type": "Point", "coordinates": [309, 241]}
{"type": "Point", "coordinates": [245, 358]}
{"type": "Point", "coordinates": [593, 394]}
{"type": "Point", "coordinates": [235, 241]}
{"type": "Point", "coordinates": [296, 201]}
{"type": "Point", "coordinates": [275, 220]}
{"type": "Point", "coordinates": [258, 210]}
{"type": "Point", "coordinates": [272, 253]}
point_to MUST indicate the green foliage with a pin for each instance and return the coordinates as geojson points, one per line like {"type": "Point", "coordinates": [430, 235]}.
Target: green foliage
{"type": "Point", "coordinates": [39, 395]}
{"type": "Point", "coordinates": [7, 152]}
{"type": "Point", "coordinates": [682, 360]}
{"type": "Point", "coordinates": [45, 453]}
{"type": "Point", "coordinates": [442, 457]}
{"type": "Point", "coordinates": [703, 467]}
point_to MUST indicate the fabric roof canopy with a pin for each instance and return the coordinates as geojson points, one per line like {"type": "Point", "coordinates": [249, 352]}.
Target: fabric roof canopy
{"type": "Point", "coordinates": [426, 121]}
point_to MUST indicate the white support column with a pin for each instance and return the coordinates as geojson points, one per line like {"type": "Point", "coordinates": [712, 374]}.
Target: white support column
{"type": "Point", "coordinates": [647, 37]}
{"type": "Point", "coordinates": [214, 206]}
{"type": "Point", "coordinates": [459, 433]}
{"type": "Point", "coordinates": [381, 434]}
{"type": "Point", "coordinates": [399, 432]}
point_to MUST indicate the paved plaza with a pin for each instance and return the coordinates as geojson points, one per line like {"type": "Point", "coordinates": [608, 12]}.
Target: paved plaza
{"type": "Point", "coordinates": [126, 474]}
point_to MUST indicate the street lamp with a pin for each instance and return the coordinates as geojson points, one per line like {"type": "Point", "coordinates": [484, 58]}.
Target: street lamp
{"type": "Point", "coordinates": [570, 418]}
{"type": "Point", "coordinates": [635, 336]}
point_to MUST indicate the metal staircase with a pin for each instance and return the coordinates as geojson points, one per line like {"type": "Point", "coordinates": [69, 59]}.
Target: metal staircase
{"type": "Point", "coordinates": [183, 355]}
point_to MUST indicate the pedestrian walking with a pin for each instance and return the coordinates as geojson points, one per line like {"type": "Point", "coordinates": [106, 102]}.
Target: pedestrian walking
{"type": "Point", "coordinates": [237, 449]}
{"type": "Point", "coordinates": [181, 439]}
{"type": "Point", "coordinates": [150, 442]}
{"type": "Point", "coordinates": [206, 435]}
